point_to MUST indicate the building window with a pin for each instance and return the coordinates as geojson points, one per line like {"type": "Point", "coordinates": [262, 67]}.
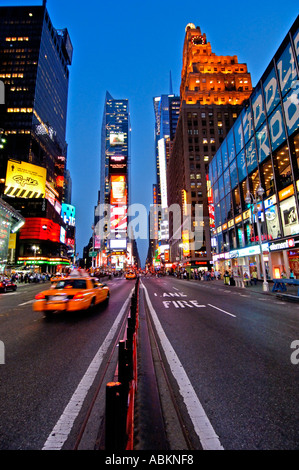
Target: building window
{"type": "Point", "coordinates": [283, 165]}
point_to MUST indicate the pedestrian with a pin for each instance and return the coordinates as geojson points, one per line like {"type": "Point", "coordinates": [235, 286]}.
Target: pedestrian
{"type": "Point", "coordinates": [254, 277]}
{"type": "Point", "coordinates": [292, 274]}
{"type": "Point", "coordinates": [283, 274]}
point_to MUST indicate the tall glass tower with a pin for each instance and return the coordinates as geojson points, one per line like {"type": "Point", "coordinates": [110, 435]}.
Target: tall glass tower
{"type": "Point", "coordinates": [115, 183]}
{"type": "Point", "coordinates": [34, 66]}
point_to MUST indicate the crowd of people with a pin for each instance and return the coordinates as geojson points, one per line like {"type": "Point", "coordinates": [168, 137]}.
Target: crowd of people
{"type": "Point", "coordinates": [28, 277]}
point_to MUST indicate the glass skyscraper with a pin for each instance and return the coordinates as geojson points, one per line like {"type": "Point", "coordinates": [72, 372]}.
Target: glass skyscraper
{"type": "Point", "coordinates": [261, 150]}
{"type": "Point", "coordinates": [113, 245]}
{"type": "Point", "coordinates": [34, 66]}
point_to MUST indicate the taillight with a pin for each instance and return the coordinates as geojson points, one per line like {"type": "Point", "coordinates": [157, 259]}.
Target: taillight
{"type": "Point", "coordinates": [78, 296]}
{"type": "Point", "coordinates": [40, 296]}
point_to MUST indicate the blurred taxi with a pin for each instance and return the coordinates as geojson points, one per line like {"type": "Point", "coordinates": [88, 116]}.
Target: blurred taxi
{"type": "Point", "coordinates": [57, 277]}
{"type": "Point", "coordinates": [130, 275]}
{"type": "Point", "coordinates": [73, 293]}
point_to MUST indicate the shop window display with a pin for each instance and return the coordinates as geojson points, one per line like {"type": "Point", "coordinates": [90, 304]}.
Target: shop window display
{"type": "Point", "coordinates": [289, 216]}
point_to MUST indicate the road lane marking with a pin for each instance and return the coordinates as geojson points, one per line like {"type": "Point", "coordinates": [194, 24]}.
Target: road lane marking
{"type": "Point", "coordinates": [26, 303]}
{"type": "Point", "coordinates": [201, 423]}
{"type": "Point", "coordinates": [64, 425]}
{"type": "Point", "coordinates": [227, 313]}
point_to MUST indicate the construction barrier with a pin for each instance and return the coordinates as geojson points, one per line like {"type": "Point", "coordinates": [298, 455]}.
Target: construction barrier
{"type": "Point", "coordinates": [120, 394]}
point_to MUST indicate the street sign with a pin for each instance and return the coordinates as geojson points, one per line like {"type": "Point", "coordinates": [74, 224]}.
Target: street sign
{"type": "Point", "coordinates": [92, 254]}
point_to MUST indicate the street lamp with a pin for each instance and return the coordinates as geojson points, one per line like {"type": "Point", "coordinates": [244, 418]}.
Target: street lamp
{"type": "Point", "coordinates": [259, 192]}
{"type": "Point", "coordinates": [34, 248]}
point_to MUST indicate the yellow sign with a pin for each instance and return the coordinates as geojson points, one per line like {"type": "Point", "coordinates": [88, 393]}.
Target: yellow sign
{"type": "Point", "coordinates": [287, 192]}
{"type": "Point", "coordinates": [12, 241]}
{"type": "Point", "coordinates": [246, 214]}
{"type": "Point", "coordinates": [25, 180]}
{"type": "Point", "coordinates": [185, 239]}
{"type": "Point", "coordinates": [230, 223]}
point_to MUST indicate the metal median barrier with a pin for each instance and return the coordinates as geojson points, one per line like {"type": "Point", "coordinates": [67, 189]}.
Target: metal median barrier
{"type": "Point", "coordinates": [120, 394]}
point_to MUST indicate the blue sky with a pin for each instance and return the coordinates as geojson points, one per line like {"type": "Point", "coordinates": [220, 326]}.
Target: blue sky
{"type": "Point", "coordinates": [129, 48]}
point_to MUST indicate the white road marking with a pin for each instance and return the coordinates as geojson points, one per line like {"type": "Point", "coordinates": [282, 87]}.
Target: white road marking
{"type": "Point", "coordinates": [227, 313]}
{"type": "Point", "coordinates": [175, 288]}
{"type": "Point", "coordinates": [26, 303]}
{"type": "Point", "coordinates": [201, 423]}
{"type": "Point", "coordinates": [64, 425]}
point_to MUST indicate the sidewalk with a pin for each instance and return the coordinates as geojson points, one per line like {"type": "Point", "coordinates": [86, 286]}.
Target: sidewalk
{"type": "Point", "coordinates": [291, 290]}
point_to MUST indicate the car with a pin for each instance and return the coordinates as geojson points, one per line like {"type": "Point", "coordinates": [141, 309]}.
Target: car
{"type": "Point", "coordinates": [56, 277]}
{"type": "Point", "coordinates": [130, 275]}
{"type": "Point", "coordinates": [7, 284]}
{"type": "Point", "coordinates": [70, 294]}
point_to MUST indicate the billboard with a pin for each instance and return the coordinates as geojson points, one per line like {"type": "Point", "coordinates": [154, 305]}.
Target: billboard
{"type": "Point", "coordinates": [68, 213]}
{"type": "Point", "coordinates": [118, 218]}
{"type": "Point", "coordinates": [118, 190]}
{"type": "Point", "coordinates": [25, 180]}
{"type": "Point", "coordinates": [118, 164]}
{"type": "Point", "coordinates": [117, 138]}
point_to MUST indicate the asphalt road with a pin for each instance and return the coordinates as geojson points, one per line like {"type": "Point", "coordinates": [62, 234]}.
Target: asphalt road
{"type": "Point", "coordinates": [45, 361]}
{"type": "Point", "coordinates": [227, 351]}
{"type": "Point", "coordinates": [234, 345]}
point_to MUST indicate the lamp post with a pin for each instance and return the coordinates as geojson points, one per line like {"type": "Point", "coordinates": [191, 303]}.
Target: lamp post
{"type": "Point", "coordinates": [34, 248]}
{"type": "Point", "coordinates": [248, 198]}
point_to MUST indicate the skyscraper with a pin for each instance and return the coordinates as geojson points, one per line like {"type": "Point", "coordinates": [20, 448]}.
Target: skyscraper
{"type": "Point", "coordinates": [34, 67]}
{"type": "Point", "coordinates": [166, 108]}
{"type": "Point", "coordinates": [212, 91]}
{"type": "Point", "coordinates": [114, 185]}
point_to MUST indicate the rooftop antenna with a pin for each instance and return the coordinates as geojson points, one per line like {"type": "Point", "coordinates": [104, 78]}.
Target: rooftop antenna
{"type": "Point", "coordinates": [170, 84]}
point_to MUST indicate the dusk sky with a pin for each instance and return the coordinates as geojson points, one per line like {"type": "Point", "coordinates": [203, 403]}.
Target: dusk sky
{"type": "Point", "coordinates": [129, 48]}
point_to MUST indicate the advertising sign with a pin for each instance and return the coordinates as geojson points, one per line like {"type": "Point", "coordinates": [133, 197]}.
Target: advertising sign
{"type": "Point", "coordinates": [117, 139]}
{"type": "Point", "coordinates": [118, 190]}
{"type": "Point", "coordinates": [118, 218]}
{"type": "Point", "coordinates": [289, 216]}
{"type": "Point", "coordinates": [68, 213]}
{"type": "Point", "coordinates": [118, 164]}
{"type": "Point", "coordinates": [25, 180]}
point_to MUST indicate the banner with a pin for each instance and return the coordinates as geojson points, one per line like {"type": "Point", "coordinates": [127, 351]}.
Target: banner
{"type": "Point", "coordinates": [25, 180]}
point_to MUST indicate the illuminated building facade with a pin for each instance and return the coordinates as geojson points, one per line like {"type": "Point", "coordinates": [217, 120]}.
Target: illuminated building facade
{"type": "Point", "coordinates": [34, 63]}
{"type": "Point", "coordinates": [115, 250]}
{"type": "Point", "coordinates": [262, 149]}
{"type": "Point", "coordinates": [167, 109]}
{"type": "Point", "coordinates": [212, 91]}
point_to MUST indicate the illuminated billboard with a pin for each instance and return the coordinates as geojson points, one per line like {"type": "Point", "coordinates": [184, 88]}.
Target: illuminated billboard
{"type": "Point", "coordinates": [117, 138]}
{"type": "Point", "coordinates": [162, 164]}
{"type": "Point", "coordinates": [118, 190]}
{"type": "Point", "coordinates": [68, 213]}
{"type": "Point", "coordinates": [25, 180]}
{"type": "Point", "coordinates": [118, 164]}
{"type": "Point", "coordinates": [118, 218]}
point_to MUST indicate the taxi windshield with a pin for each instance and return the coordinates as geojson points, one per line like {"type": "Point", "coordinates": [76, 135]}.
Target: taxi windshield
{"type": "Point", "coordinates": [71, 284]}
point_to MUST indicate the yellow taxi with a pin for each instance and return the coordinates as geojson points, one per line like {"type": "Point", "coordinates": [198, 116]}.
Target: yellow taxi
{"type": "Point", "coordinates": [57, 277]}
{"type": "Point", "coordinates": [130, 275]}
{"type": "Point", "coordinates": [73, 293]}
